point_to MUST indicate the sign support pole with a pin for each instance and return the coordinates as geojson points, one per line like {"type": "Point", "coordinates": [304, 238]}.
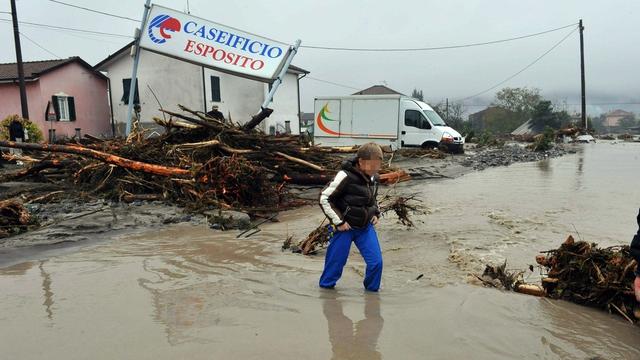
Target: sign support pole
{"type": "Point", "coordinates": [136, 60]}
{"type": "Point", "coordinates": [283, 72]}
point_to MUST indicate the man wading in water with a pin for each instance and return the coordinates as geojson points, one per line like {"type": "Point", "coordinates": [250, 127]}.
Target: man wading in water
{"type": "Point", "coordinates": [350, 204]}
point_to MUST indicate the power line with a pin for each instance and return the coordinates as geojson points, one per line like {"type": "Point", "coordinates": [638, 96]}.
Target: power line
{"type": "Point", "coordinates": [331, 82]}
{"type": "Point", "coordinates": [523, 69]}
{"type": "Point", "coordinates": [69, 29]}
{"type": "Point", "coordinates": [38, 45]}
{"type": "Point", "coordinates": [436, 47]}
{"type": "Point", "coordinates": [95, 11]}
{"type": "Point", "coordinates": [567, 104]}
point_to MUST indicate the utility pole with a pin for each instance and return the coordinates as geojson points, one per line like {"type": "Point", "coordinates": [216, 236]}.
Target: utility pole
{"type": "Point", "coordinates": [447, 109]}
{"type": "Point", "coordinates": [16, 37]}
{"type": "Point", "coordinates": [584, 97]}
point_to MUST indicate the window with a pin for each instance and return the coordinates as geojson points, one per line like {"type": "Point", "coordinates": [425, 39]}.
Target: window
{"type": "Point", "coordinates": [126, 85]}
{"type": "Point", "coordinates": [215, 89]}
{"type": "Point", "coordinates": [435, 118]}
{"type": "Point", "coordinates": [64, 107]}
{"type": "Point", "coordinates": [411, 118]}
{"type": "Point", "coordinates": [415, 119]}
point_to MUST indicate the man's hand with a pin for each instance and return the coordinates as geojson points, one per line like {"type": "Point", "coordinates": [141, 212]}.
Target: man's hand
{"type": "Point", "coordinates": [636, 288]}
{"type": "Point", "coordinates": [344, 227]}
{"type": "Point", "coordinates": [375, 220]}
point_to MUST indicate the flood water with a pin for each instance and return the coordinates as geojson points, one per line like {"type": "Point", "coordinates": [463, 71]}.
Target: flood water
{"type": "Point", "coordinates": [185, 291]}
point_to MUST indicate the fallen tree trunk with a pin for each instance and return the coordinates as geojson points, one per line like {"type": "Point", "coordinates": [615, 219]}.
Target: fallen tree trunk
{"type": "Point", "coordinates": [257, 119]}
{"type": "Point", "coordinates": [394, 177]}
{"type": "Point", "coordinates": [300, 161]}
{"type": "Point", "coordinates": [308, 179]}
{"type": "Point", "coordinates": [174, 123]}
{"type": "Point", "coordinates": [44, 164]}
{"type": "Point", "coordinates": [207, 124]}
{"type": "Point", "coordinates": [102, 156]}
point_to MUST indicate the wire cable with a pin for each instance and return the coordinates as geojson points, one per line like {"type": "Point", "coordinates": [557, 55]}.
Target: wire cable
{"type": "Point", "coordinates": [38, 45]}
{"type": "Point", "coordinates": [331, 82]}
{"type": "Point", "coordinates": [436, 47]}
{"type": "Point", "coordinates": [95, 11]}
{"type": "Point", "coordinates": [69, 29]}
{"type": "Point", "coordinates": [523, 69]}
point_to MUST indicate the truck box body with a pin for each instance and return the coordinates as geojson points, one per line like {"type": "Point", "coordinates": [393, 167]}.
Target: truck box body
{"type": "Point", "coordinates": [394, 120]}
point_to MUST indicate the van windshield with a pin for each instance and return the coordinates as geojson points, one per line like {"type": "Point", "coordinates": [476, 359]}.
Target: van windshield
{"type": "Point", "coordinates": [435, 119]}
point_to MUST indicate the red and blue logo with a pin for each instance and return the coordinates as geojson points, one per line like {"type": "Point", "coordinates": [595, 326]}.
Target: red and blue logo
{"type": "Point", "coordinates": [161, 27]}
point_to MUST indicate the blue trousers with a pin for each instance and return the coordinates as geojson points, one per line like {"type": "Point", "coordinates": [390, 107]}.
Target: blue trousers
{"type": "Point", "coordinates": [338, 251]}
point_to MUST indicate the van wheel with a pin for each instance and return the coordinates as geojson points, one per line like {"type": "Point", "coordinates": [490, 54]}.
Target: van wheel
{"type": "Point", "coordinates": [443, 148]}
{"type": "Point", "coordinates": [430, 145]}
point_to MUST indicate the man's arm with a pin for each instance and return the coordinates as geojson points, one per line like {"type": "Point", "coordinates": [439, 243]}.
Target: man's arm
{"type": "Point", "coordinates": [635, 245]}
{"type": "Point", "coordinates": [333, 189]}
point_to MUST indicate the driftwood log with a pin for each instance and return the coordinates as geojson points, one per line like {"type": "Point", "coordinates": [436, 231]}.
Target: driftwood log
{"type": "Point", "coordinates": [102, 156]}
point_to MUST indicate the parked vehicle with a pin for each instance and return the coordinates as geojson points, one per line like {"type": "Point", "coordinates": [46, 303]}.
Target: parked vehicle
{"type": "Point", "coordinates": [394, 120]}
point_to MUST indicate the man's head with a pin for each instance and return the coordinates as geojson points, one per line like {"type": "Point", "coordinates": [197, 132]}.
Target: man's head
{"type": "Point", "coordinates": [214, 107]}
{"type": "Point", "coordinates": [370, 158]}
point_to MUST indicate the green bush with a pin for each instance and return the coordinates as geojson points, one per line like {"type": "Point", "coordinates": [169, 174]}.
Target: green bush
{"type": "Point", "coordinates": [546, 141]}
{"type": "Point", "coordinates": [488, 139]}
{"type": "Point", "coordinates": [35, 134]}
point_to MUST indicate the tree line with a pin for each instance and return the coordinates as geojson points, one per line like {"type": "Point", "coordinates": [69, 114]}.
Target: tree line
{"type": "Point", "coordinates": [511, 107]}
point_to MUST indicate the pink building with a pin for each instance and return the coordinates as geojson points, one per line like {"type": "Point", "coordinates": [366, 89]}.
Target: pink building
{"type": "Point", "coordinates": [64, 95]}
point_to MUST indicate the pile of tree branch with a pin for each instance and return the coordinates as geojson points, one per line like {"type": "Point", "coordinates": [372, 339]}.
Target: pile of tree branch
{"type": "Point", "coordinates": [579, 272]}
{"type": "Point", "coordinates": [420, 153]}
{"type": "Point", "coordinates": [585, 274]}
{"type": "Point", "coordinates": [198, 162]}
{"type": "Point", "coordinates": [14, 218]}
{"type": "Point", "coordinates": [319, 237]}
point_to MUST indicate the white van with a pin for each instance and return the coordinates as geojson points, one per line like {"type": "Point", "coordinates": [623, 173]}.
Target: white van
{"type": "Point", "coordinates": [395, 120]}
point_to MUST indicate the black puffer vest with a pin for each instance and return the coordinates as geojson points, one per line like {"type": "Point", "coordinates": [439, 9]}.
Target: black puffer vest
{"type": "Point", "coordinates": [635, 246]}
{"type": "Point", "coordinates": [357, 202]}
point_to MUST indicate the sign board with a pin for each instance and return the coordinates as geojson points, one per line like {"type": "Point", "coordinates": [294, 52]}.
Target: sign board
{"type": "Point", "coordinates": [186, 37]}
{"type": "Point", "coordinates": [50, 114]}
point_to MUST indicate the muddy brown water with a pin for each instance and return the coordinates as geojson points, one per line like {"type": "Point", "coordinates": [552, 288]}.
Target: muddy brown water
{"type": "Point", "coordinates": [185, 291]}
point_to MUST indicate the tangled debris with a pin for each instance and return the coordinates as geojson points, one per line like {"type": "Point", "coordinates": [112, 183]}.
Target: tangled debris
{"type": "Point", "coordinates": [510, 154]}
{"type": "Point", "coordinates": [420, 153]}
{"type": "Point", "coordinates": [199, 163]}
{"type": "Point", "coordinates": [319, 237]}
{"type": "Point", "coordinates": [579, 272]}
{"type": "Point", "coordinates": [14, 218]}
{"type": "Point", "coordinates": [585, 274]}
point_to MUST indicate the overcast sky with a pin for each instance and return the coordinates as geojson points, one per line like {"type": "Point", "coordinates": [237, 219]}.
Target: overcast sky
{"type": "Point", "coordinates": [612, 39]}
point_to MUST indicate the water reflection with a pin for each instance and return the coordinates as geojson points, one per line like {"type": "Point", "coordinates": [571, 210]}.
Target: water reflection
{"type": "Point", "coordinates": [347, 341]}
{"type": "Point", "coordinates": [545, 167]}
{"type": "Point", "coordinates": [46, 288]}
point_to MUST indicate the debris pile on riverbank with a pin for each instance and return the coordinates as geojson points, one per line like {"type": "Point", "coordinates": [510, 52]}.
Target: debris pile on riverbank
{"type": "Point", "coordinates": [199, 162]}
{"type": "Point", "coordinates": [579, 272]}
{"type": "Point", "coordinates": [510, 154]}
{"type": "Point", "coordinates": [585, 274]}
{"type": "Point", "coordinates": [419, 153]}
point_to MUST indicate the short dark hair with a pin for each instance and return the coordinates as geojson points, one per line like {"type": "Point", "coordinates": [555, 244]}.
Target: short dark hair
{"type": "Point", "coordinates": [370, 151]}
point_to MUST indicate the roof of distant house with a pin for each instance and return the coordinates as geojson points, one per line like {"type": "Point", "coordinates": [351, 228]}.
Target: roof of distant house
{"type": "Point", "coordinates": [127, 47]}
{"type": "Point", "coordinates": [528, 128]}
{"type": "Point", "coordinates": [619, 113]}
{"type": "Point", "coordinates": [378, 90]}
{"type": "Point", "coordinates": [34, 69]}
{"type": "Point", "coordinates": [489, 110]}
